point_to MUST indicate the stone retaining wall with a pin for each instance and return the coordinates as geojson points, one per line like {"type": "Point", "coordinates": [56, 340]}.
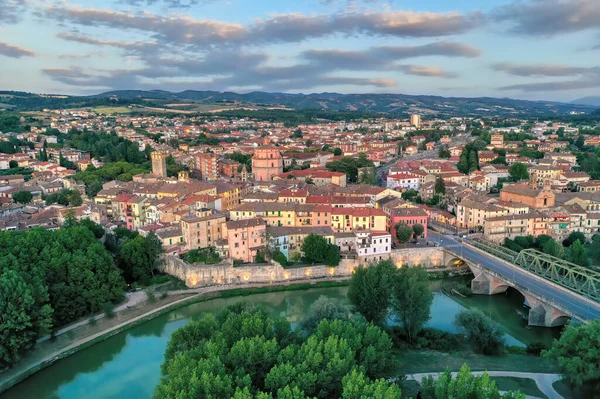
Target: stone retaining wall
{"type": "Point", "coordinates": [200, 275]}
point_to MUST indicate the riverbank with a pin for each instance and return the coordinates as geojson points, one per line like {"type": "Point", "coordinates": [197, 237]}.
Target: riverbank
{"type": "Point", "coordinates": [86, 334]}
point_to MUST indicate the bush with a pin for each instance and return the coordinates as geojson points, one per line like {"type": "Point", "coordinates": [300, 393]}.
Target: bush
{"type": "Point", "coordinates": [237, 262]}
{"type": "Point", "coordinates": [536, 348]}
{"type": "Point", "coordinates": [280, 258]}
{"type": "Point", "coordinates": [109, 310]}
{"type": "Point", "coordinates": [92, 321]}
{"type": "Point", "coordinates": [204, 255]}
{"type": "Point", "coordinates": [461, 288]}
{"type": "Point", "coordinates": [259, 258]}
{"type": "Point", "coordinates": [151, 296]}
{"type": "Point", "coordinates": [164, 295]}
{"type": "Point", "coordinates": [428, 338]}
{"type": "Point", "coordinates": [516, 350]}
{"type": "Point", "coordinates": [481, 332]}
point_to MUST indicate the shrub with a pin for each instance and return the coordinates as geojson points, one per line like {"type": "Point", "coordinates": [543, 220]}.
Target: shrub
{"type": "Point", "coordinates": [481, 332]}
{"type": "Point", "coordinates": [280, 258]}
{"type": "Point", "coordinates": [536, 348]}
{"type": "Point", "coordinates": [109, 310]}
{"type": "Point", "coordinates": [151, 296]}
{"type": "Point", "coordinates": [164, 295]}
{"type": "Point", "coordinates": [92, 321]}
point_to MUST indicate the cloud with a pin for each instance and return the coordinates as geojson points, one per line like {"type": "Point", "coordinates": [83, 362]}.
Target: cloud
{"type": "Point", "coordinates": [549, 17]}
{"type": "Point", "coordinates": [543, 70]}
{"type": "Point", "coordinates": [383, 57]}
{"type": "Point", "coordinates": [280, 28]}
{"type": "Point", "coordinates": [11, 11]}
{"type": "Point", "coordinates": [429, 71]}
{"type": "Point", "coordinates": [166, 3]}
{"type": "Point", "coordinates": [130, 47]}
{"type": "Point", "coordinates": [14, 51]}
{"type": "Point", "coordinates": [554, 86]}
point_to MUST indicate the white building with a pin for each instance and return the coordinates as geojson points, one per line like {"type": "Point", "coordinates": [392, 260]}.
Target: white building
{"type": "Point", "coordinates": [370, 246]}
{"type": "Point", "coordinates": [404, 181]}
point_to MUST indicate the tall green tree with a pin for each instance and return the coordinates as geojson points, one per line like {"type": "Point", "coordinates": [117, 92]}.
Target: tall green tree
{"type": "Point", "coordinates": [403, 232]}
{"type": "Point", "coordinates": [140, 257]}
{"type": "Point", "coordinates": [324, 308]}
{"type": "Point", "coordinates": [22, 197]}
{"type": "Point", "coordinates": [412, 299]}
{"type": "Point", "coordinates": [23, 318]}
{"type": "Point", "coordinates": [518, 171]}
{"type": "Point", "coordinates": [315, 248]}
{"type": "Point", "coordinates": [577, 353]}
{"type": "Point", "coordinates": [418, 229]}
{"type": "Point", "coordinates": [370, 290]}
{"type": "Point", "coordinates": [440, 186]}
{"type": "Point", "coordinates": [578, 254]}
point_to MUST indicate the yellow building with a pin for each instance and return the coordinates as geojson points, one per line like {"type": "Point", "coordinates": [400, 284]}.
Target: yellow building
{"type": "Point", "coordinates": [203, 229]}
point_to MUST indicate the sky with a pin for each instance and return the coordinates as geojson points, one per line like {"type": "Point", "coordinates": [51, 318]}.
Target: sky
{"type": "Point", "coordinates": [528, 49]}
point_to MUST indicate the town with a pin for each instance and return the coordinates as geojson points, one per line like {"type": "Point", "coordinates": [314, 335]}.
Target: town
{"type": "Point", "coordinates": [249, 190]}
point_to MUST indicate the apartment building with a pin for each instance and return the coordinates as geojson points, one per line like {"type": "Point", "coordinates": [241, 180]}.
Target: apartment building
{"type": "Point", "coordinates": [203, 229]}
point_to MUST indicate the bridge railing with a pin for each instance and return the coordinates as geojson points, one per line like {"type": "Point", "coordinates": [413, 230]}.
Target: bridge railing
{"type": "Point", "coordinates": [576, 278]}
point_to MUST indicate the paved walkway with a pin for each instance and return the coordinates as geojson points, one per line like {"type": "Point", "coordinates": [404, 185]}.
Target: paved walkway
{"type": "Point", "coordinates": [543, 381]}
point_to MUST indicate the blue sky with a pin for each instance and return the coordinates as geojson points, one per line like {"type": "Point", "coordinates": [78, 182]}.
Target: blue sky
{"type": "Point", "coordinates": [530, 49]}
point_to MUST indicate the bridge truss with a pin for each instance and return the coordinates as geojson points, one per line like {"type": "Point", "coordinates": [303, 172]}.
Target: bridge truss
{"type": "Point", "coordinates": [495, 249]}
{"type": "Point", "coordinates": [574, 277]}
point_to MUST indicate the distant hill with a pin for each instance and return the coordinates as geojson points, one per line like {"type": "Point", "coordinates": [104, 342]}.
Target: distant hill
{"type": "Point", "coordinates": [372, 103]}
{"type": "Point", "coordinates": [386, 103]}
{"type": "Point", "coordinates": [593, 101]}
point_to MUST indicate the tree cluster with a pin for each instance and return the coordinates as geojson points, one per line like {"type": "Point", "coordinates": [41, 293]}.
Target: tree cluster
{"type": "Point", "coordinates": [469, 160]}
{"type": "Point", "coordinates": [316, 249]}
{"type": "Point", "coordinates": [66, 197]}
{"type": "Point", "coordinates": [56, 278]}
{"type": "Point", "coordinates": [95, 177]}
{"type": "Point", "coordinates": [349, 166]}
{"type": "Point", "coordinates": [243, 353]}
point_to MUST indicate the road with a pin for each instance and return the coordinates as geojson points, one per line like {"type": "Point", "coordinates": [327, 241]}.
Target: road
{"type": "Point", "coordinates": [582, 308]}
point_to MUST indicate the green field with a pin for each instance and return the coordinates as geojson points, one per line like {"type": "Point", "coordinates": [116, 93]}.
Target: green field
{"type": "Point", "coordinates": [111, 110]}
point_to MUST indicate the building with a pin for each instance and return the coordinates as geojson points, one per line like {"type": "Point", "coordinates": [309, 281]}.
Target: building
{"type": "Point", "coordinates": [351, 219]}
{"type": "Point", "coordinates": [409, 216]}
{"type": "Point", "coordinates": [415, 120]}
{"type": "Point", "coordinates": [288, 240]}
{"type": "Point", "coordinates": [202, 230]}
{"type": "Point", "coordinates": [159, 163]}
{"type": "Point", "coordinates": [207, 163]}
{"type": "Point", "coordinates": [472, 213]}
{"type": "Point", "coordinates": [497, 140]}
{"type": "Point", "coordinates": [245, 238]}
{"type": "Point", "coordinates": [528, 195]}
{"type": "Point", "coordinates": [267, 162]}
{"type": "Point", "coordinates": [498, 228]}
{"type": "Point", "coordinates": [403, 181]}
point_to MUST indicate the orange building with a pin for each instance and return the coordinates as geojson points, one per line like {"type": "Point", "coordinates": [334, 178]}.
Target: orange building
{"type": "Point", "coordinates": [207, 164]}
{"type": "Point", "coordinates": [526, 194]}
{"type": "Point", "coordinates": [245, 238]}
{"type": "Point", "coordinates": [267, 162]}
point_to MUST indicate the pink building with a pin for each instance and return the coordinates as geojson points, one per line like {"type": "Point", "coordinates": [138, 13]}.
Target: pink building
{"type": "Point", "coordinates": [245, 238]}
{"type": "Point", "coordinates": [409, 216]}
{"type": "Point", "coordinates": [266, 163]}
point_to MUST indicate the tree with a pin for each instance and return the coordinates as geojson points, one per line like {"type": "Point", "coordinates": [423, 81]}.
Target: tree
{"type": "Point", "coordinates": [403, 232]}
{"type": "Point", "coordinates": [463, 163]}
{"type": "Point", "coordinates": [444, 152]}
{"type": "Point", "coordinates": [13, 164]}
{"type": "Point", "coordinates": [574, 236]}
{"type": "Point", "coordinates": [553, 248]}
{"type": "Point", "coordinates": [440, 186]}
{"type": "Point", "coordinates": [316, 249]}
{"type": "Point", "coordinates": [412, 299]}
{"type": "Point", "coordinates": [141, 257]}
{"type": "Point", "coordinates": [578, 254]}
{"type": "Point", "coordinates": [368, 176]}
{"type": "Point", "coordinates": [518, 171]}
{"type": "Point", "coordinates": [23, 318]}
{"type": "Point", "coordinates": [418, 229]}
{"type": "Point", "coordinates": [577, 353]}
{"type": "Point", "coordinates": [370, 290]}
{"type": "Point", "coordinates": [465, 385]}
{"type": "Point", "coordinates": [22, 197]}
{"type": "Point", "coordinates": [358, 386]}
{"type": "Point", "coordinates": [337, 152]}
{"type": "Point", "coordinates": [324, 308]}
{"type": "Point", "coordinates": [481, 332]}
{"type": "Point", "coordinates": [280, 258]}
{"type": "Point", "coordinates": [308, 142]}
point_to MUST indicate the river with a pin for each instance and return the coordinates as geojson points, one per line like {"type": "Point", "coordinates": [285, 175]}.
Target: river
{"type": "Point", "coordinates": [127, 365]}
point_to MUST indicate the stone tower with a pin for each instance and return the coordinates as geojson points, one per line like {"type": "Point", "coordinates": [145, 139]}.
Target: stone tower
{"type": "Point", "coordinates": [159, 163]}
{"type": "Point", "coordinates": [244, 173]}
{"type": "Point", "coordinates": [266, 163]}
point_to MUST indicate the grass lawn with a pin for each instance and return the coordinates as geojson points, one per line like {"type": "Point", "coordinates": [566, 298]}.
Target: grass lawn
{"type": "Point", "coordinates": [562, 387]}
{"type": "Point", "coordinates": [112, 110]}
{"type": "Point", "coordinates": [524, 385]}
{"type": "Point", "coordinates": [428, 361]}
